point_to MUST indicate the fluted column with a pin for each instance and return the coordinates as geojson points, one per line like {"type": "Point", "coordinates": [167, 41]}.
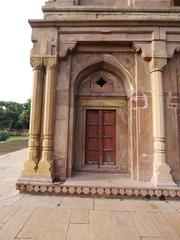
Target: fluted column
{"type": "Point", "coordinates": [161, 170]}
{"type": "Point", "coordinates": [45, 166]}
{"type": "Point", "coordinates": [35, 118]}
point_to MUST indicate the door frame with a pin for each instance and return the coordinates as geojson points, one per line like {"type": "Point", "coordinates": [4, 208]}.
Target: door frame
{"type": "Point", "coordinates": [96, 103]}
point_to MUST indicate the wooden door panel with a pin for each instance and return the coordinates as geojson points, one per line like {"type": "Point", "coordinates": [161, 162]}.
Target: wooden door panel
{"type": "Point", "coordinates": [93, 131]}
{"type": "Point", "coordinates": [93, 144]}
{"type": "Point", "coordinates": [109, 157]}
{"type": "Point", "coordinates": [92, 157]}
{"type": "Point", "coordinates": [92, 137]}
{"type": "Point", "coordinates": [100, 137]}
{"type": "Point", "coordinates": [108, 131]}
{"type": "Point", "coordinates": [108, 137]}
{"type": "Point", "coordinates": [108, 144]}
{"type": "Point", "coordinates": [93, 117]}
{"type": "Point", "coordinates": [108, 117]}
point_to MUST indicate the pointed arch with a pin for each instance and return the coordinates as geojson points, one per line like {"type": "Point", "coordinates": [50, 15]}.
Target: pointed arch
{"type": "Point", "coordinates": [107, 63]}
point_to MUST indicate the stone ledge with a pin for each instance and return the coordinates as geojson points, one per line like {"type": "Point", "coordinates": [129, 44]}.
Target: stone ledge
{"type": "Point", "coordinates": [99, 191]}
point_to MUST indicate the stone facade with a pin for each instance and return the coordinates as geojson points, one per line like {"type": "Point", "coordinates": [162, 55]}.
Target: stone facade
{"type": "Point", "coordinates": [108, 55]}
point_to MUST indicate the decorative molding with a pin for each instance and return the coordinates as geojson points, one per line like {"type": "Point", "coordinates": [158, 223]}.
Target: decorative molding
{"type": "Point", "coordinates": [157, 64]}
{"type": "Point", "coordinates": [106, 9]}
{"type": "Point", "coordinates": [99, 191]}
{"type": "Point", "coordinates": [66, 47]}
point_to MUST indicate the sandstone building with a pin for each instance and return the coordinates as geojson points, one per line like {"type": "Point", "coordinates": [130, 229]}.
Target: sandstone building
{"type": "Point", "coordinates": [106, 96]}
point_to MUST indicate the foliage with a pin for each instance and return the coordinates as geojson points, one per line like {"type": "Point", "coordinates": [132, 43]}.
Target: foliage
{"type": "Point", "coordinates": [24, 116]}
{"type": "Point", "coordinates": [14, 115]}
{"type": "Point", "coordinates": [4, 135]}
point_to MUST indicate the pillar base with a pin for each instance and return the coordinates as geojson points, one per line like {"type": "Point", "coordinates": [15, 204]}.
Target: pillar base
{"type": "Point", "coordinates": [162, 176]}
{"type": "Point", "coordinates": [45, 170]}
{"type": "Point", "coordinates": [29, 168]}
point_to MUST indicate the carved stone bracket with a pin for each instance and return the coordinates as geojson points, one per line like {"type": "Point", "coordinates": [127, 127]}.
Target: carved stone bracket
{"type": "Point", "coordinates": [66, 47]}
{"type": "Point", "coordinates": [172, 48]}
{"type": "Point", "coordinates": [143, 48]}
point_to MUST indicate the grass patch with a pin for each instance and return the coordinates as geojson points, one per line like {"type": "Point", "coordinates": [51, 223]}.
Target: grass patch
{"type": "Point", "coordinates": [17, 138]}
{"type": "Point", "coordinates": [11, 146]}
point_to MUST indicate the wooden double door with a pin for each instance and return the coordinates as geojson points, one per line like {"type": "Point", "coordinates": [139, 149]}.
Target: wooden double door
{"type": "Point", "coordinates": [100, 137]}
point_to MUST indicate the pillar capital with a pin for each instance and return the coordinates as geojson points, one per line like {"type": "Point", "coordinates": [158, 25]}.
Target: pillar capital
{"type": "Point", "coordinates": [50, 62]}
{"type": "Point", "coordinates": [36, 63]}
{"type": "Point", "coordinates": [157, 64]}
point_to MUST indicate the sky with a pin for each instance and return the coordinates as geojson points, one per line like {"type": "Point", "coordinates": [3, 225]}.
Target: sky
{"type": "Point", "coordinates": [15, 46]}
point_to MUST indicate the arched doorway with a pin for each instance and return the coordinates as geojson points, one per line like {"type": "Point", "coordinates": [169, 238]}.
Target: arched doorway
{"type": "Point", "coordinates": [101, 123]}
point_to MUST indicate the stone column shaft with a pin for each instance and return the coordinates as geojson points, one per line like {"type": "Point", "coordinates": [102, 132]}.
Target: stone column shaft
{"type": "Point", "coordinates": [158, 117]}
{"type": "Point", "coordinates": [161, 170]}
{"type": "Point", "coordinates": [35, 118]}
{"type": "Point", "coordinates": [45, 167]}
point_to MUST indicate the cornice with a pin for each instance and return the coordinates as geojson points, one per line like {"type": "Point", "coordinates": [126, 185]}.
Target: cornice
{"type": "Point", "coordinates": [107, 9]}
{"type": "Point", "coordinates": [104, 22]}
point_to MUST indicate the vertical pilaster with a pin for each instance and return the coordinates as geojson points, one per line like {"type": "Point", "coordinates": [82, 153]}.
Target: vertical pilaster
{"type": "Point", "coordinates": [35, 118]}
{"type": "Point", "coordinates": [161, 170]}
{"type": "Point", "coordinates": [45, 166]}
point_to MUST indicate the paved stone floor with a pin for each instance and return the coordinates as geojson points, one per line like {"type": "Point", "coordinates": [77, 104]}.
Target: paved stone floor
{"type": "Point", "coordinates": [53, 217]}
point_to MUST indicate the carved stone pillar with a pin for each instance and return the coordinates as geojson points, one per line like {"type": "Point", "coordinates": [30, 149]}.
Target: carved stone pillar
{"type": "Point", "coordinates": [161, 170]}
{"type": "Point", "coordinates": [35, 118]}
{"type": "Point", "coordinates": [45, 167]}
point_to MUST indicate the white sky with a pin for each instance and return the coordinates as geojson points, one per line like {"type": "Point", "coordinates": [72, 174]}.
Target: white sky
{"type": "Point", "coordinates": [15, 46]}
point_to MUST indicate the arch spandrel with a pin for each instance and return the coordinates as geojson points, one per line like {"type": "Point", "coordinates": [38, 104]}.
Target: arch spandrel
{"type": "Point", "coordinates": [101, 83]}
{"type": "Point", "coordinates": [106, 63]}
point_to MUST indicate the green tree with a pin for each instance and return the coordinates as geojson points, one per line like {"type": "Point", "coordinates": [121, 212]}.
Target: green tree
{"type": "Point", "coordinates": [14, 115]}
{"type": "Point", "coordinates": [24, 116]}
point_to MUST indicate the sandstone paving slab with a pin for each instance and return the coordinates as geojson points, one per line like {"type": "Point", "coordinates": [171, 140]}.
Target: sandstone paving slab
{"type": "Point", "coordinates": [144, 225]}
{"type": "Point", "coordinates": [5, 187]}
{"type": "Point", "coordinates": [162, 206]}
{"type": "Point", "coordinates": [110, 205]}
{"type": "Point", "coordinates": [136, 205]}
{"type": "Point", "coordinates": [57, 225]}
{"type": "Point", "coordinates": [101, 226]}
{"type": "Point", "coordinates": [11, 200]}
{"type": "Point", "coordinates": [175, 204]}
{"type": "Point", "coordinates": [15, 224]}
{"type": "Point", "coordinates": [124, 205]}
{"type": "Point", "coordinates": [35, 224]}
{"type": "Point", "coordinates": [164, 227]}
{"type": "Point", "coordinates": [125, 227]}
{"type": "Point", "coordinates": [77, 232]}
{"type": "Point", "coordinates": [39, 201]}
{"type": "Point", "coordinates": [77, 203]}
{"type": "Point", "coordinates": [174, 220]}
{"type": "Point", "coordinates": [80, 216]}
{"type": "Point", "coordinates": [151, 238]}
{"type": "Point", "coordinates": [106, 225]}
{"type": "Point", "coordinates": [6, 213]}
